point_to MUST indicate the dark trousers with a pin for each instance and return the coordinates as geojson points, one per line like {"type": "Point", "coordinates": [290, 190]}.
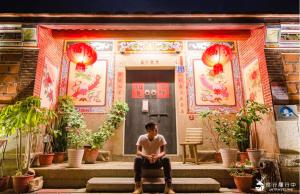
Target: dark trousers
{"type": "Point", "coordinates": [141, 162]}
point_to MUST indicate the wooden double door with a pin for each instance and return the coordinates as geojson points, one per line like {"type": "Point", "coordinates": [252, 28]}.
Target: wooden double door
{"type": "Point", "coordinates": [150, 95]}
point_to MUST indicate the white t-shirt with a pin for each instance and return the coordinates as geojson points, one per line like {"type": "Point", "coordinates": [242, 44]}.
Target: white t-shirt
{"type": "Point", "coordinates": [151, 147]}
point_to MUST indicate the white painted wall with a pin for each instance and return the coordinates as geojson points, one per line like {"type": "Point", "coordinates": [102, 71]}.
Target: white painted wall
{"type": "Point", "coordinates": [288, 133]}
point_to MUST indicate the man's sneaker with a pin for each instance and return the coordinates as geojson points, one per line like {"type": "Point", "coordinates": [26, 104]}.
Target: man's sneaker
{"type": "Point", "coordinates": [169, 189]}
{"type": "Point", "coordinates": [138, 188]}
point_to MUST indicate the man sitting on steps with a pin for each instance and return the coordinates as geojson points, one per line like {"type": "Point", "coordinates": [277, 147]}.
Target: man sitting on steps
{"type": "Point", "coordinates": [151, 155]}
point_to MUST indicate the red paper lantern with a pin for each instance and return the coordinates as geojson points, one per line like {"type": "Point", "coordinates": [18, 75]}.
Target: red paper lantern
{"type": "Point", "coordinates": [82, 54]}
{"type": "Point", "coordinates": [216, 56]}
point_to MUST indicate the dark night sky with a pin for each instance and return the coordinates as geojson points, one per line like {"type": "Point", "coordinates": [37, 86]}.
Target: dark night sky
{"type": "Point", "coordinates": [150, 6]}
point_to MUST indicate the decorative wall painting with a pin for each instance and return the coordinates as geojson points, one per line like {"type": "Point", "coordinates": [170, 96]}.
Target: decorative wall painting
{"type": "Point", "coordinates": [50, 82]}
{"type": "Point", "coordinates": [213, 77]}
{"type": "Point", "coordinates": [212, 88]}
{"type": "Point", "coordinates": [88, 88]}
{"type": "Point", "coordinates": [252, 82]}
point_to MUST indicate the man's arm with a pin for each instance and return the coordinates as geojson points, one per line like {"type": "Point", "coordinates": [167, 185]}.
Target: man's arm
{"type": "Point", "coordinates": [161, 154]}
{"type": "Point", "coordinates": [140, 153]}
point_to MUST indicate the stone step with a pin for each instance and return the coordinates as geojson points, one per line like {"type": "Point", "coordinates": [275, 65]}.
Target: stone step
{"type": "Point", "coordinates": [78, 177]}
{"type": "Point", "coordinates": [186, 185]}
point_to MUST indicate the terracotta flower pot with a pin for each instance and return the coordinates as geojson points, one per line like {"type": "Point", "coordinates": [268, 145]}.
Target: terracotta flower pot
{"type": "Point", "coordinates": [229, 157]}
{"type": "Point", "coordinates": [59, 157]}
{"type": "Point", "coordinates": [75, 157]}
{"type": "Point", "coordinates": [243, 183]}
{"type": "Point", "coordinates": [218, 157]}
{"type": "Point", "coordinates": [46, 159]}
{"type": "Point", "coordinates": [4, 183]}
{"type": "Point", "coordinates": [90, 155]}
{"type": "Point", "coordinates": [243, 156]}
{"type": "Point", "coordinates": [20, 183]}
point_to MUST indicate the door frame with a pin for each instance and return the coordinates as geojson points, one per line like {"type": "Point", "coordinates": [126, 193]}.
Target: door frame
{"type": "Point", "coordinates": [175, 98]}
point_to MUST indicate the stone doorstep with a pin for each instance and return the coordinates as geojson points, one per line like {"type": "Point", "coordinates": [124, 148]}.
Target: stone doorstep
{"type": "Point", "coordinates": [188, 185]}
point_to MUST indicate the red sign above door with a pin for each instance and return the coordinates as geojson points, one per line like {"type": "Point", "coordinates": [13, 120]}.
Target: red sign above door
{"type": "Point", "coordinates": [137, 90]}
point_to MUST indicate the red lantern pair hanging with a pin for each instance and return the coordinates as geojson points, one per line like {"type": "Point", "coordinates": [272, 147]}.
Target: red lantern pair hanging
{"type": "Point", "coordinates": [216, 56]}
{"type": "Point", "coordinates": [82, 54]}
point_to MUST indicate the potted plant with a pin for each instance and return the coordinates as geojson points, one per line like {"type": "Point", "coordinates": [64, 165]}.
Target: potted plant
{"type": "Point", "coordinates": [242, 174]}
{"type": "Point", "coordinates": [24, 118]}
{"type": "Point", "coordinates": [97, 139]}
{"type": "Point", "coordinates": [70, 126]}
{"type": "Point", "coordinates": [59, 144]}
{"type": "Point", "coordinates": [247, 116]}
{"type": "Point", "coordinates": [76, 139]}
{"type": "Point", "coordinates": [226, 130]}
{"type": "Point", "coordinates": [242, 140]}
{"type": "Point", "coordinates": [73, 123]}
{"type": "Point", "coordinates": [91, 151]}
{"type": "Point", "coordinates": [46, 158]}
{"type": "Point", "coordinates": [208, 119]}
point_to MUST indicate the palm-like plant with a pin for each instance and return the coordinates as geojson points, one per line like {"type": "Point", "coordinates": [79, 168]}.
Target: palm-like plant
{"type": "Point", "coordinates": [24, 118]}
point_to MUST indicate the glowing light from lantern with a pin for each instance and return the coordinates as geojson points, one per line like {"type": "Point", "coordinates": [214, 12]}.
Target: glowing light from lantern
{"type": "Point", "coordinates": [82, 54]}
{"type": "Point", "coordinates": [216, 56]}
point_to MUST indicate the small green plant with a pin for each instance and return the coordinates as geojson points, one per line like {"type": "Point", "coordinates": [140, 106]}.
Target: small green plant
{"type": "Point", "coordinates": [60, 137]}
{"type": "Point", "coordinates": [69, 120]}
{"type": "Point", "coordinates": [226, 129]}
{"type": "Point", "coordinates": [106, 130]}
{"type": "Point", "coordinates": [242, 169]}
{"type": "Point", "coordinates": [77, 138]}
{"type": "Point", "coordinates": [247, 116]}
{"type": "Point", "coordinates": [70, 117]}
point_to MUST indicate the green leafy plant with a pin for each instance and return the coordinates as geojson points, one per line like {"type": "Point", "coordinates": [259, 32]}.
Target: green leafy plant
{"type": "Point", "coordinates": [24, 118]}
{"type": "Point", "coordinates": [68, 118]}
{"type": "Point", "coordinates": [60, 137]}
{"type": "Point", "coordinates": [247, 116]}
{"type": "Point", "coordinates": [77, 138]}
{"type": "Point", "coordinates": [208, 120]}
{"type": "Point", "coordinates": [106, 130]}
{"type": "Point", "coordinates": [242, 169]}
{"type": "Point", "coordinates": [226, 130]}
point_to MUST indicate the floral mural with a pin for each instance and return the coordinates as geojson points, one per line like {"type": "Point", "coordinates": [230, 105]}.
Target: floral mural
{"type": "Point", "coordinates": [88, 87]}
{"type": "Point", "coordinates": [252, 82]}
{"type": "Point", "coordinates": [50, 82]}
{"type": "Point", "coordinates": [213, 86]}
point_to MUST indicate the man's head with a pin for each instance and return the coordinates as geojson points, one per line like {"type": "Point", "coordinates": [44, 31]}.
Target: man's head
{"type": "Point", "coordinates": [151, 128]}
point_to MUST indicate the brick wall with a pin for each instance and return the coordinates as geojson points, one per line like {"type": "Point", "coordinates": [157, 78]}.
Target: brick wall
{"type": "Point", "coordinates": [51, 49]}
{"type": "Point", "coordinates": [17, 73]}
{"type": "Point", "coordinates": [283, 67]}
{"type": "Point", "coordinates": [249, 50]}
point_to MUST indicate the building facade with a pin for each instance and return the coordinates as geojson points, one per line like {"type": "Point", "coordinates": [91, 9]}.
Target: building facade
{"type": "Point", "coordinates": [154, 62]}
